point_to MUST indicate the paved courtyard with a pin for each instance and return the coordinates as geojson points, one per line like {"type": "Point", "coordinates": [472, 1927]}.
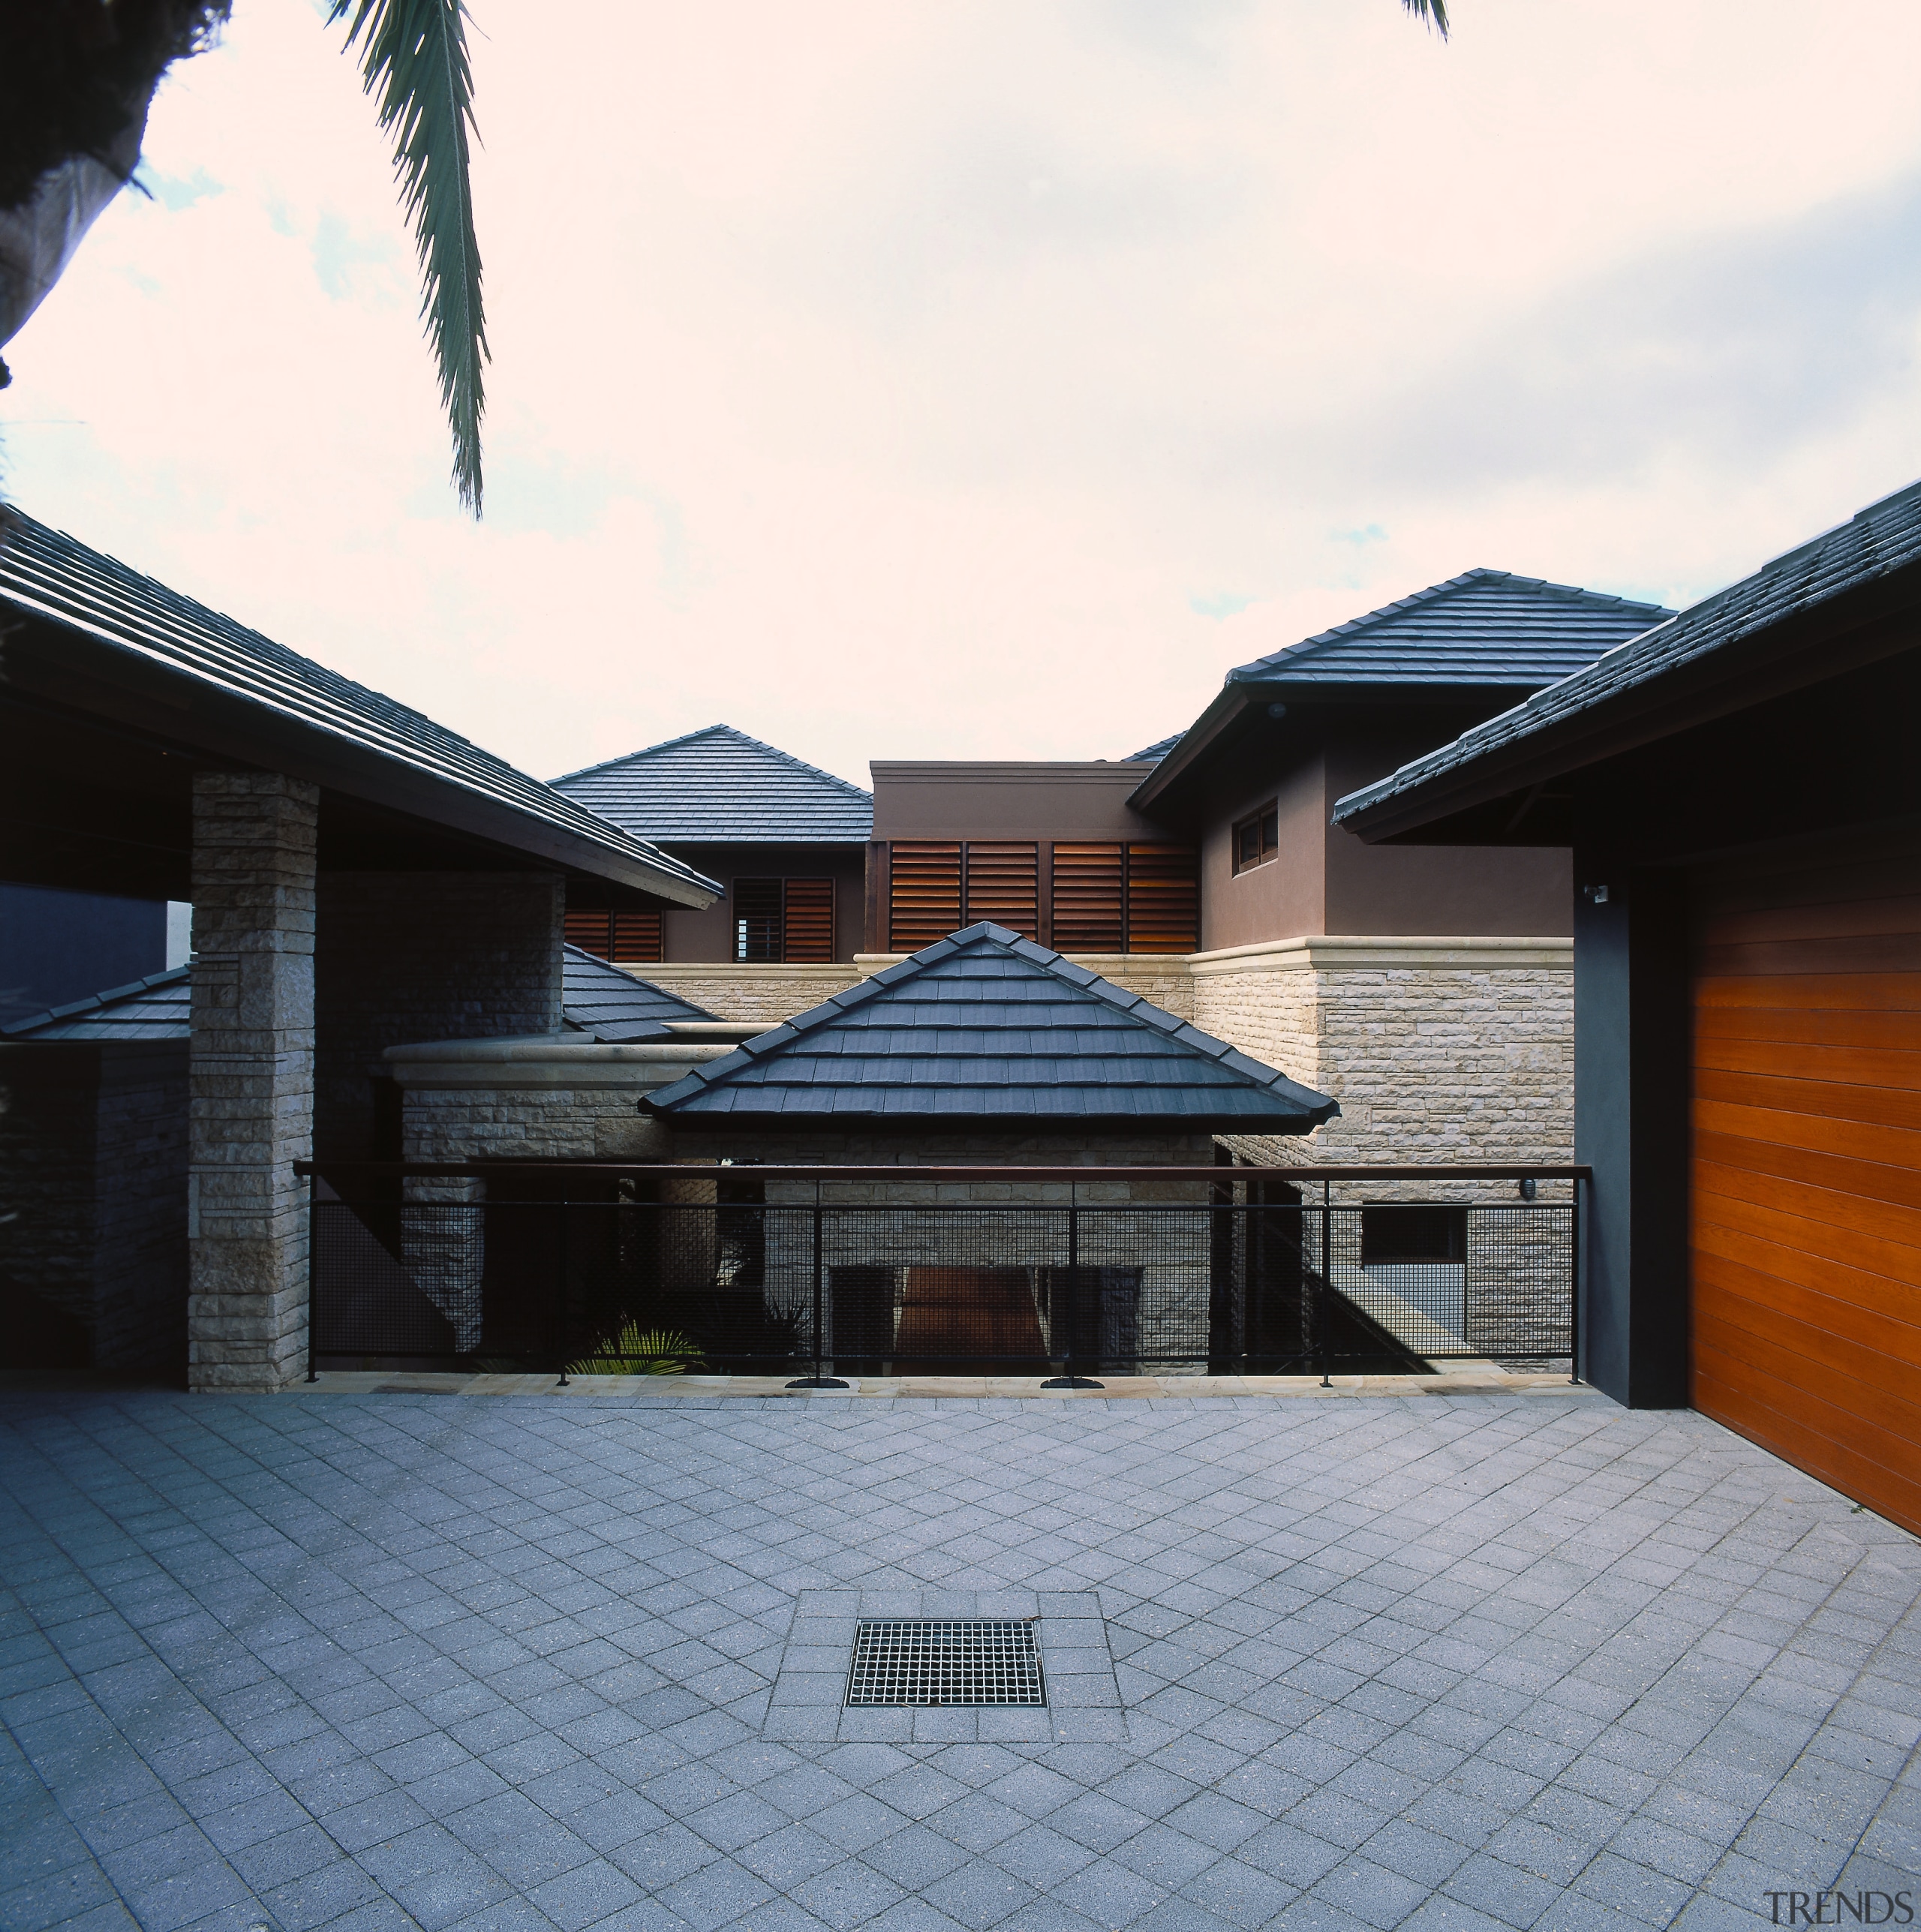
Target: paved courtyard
{"type": "Point", "coordinates": [1440, 1662]}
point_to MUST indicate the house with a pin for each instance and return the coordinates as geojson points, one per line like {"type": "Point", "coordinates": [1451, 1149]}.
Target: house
{"type": "Point", "coordinates": [1739, 791]}
{"type": "Point", "coordinates": [1431, 993]}
{"type": "Point", "coordinates": [785, 843]}
{"type": "Point", "coordinates": [359, 875]}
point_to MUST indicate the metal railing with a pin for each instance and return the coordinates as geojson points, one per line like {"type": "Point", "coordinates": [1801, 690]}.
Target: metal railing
{"type": "Point", "coordinates": [821, 1273]}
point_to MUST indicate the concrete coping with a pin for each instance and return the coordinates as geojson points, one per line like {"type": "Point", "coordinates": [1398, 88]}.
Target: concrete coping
{"type": "Point", "coordinates": [732, 1032]}
{"type": "Point", "coordinates": [1387, 951]}
{"type": "Point", "coordinates": [552, 1060]}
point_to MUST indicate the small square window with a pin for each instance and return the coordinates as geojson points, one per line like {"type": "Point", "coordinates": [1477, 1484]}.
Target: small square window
{"type": "Point", "coordinates": [1257, 837]}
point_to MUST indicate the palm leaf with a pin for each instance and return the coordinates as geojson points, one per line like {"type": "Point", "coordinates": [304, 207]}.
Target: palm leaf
{"type": "Point", "coordinates": [414, 58]}
{"type": "Point", "coordinates": [1434, 11]}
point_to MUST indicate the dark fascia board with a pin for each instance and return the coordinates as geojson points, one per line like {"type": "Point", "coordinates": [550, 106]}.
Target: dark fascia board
{"type": "Point", "coordinates": [1196, 741]}
{"type": "Point", "coordinates": [98, 674]}
{"type": "Point", "coordinates": [1858, 627]}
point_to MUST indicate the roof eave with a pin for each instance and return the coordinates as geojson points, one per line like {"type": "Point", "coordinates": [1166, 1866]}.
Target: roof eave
{"type": "Point", "coordinates": [1797, 650]}
{"type": "Point", "coordinates": [243, 727]}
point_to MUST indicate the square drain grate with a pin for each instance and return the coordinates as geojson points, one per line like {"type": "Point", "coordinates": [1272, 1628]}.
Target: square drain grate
{"type": "Point", "coordinates": [945, 1661]}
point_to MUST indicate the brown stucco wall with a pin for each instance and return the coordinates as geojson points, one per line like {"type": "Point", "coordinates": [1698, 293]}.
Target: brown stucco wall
{"type": "Point", "coordinates": [707, 937]}
{"type": "Point", "coordinates": [1287, 896]}
{"type": "Point", "coordinates": [1002, 799]}
{"type": "Point", "coordinates": [1324, 880]}
{"type": "Point", "coordinates": [1500, 892]}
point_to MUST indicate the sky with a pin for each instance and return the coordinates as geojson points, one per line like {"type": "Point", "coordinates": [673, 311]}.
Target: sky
{"type": "Point", "coordinates": [896, 380]}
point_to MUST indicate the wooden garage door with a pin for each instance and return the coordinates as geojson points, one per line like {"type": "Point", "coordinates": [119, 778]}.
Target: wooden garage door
{"type": "Point", "coordinates": [1806, 1169]}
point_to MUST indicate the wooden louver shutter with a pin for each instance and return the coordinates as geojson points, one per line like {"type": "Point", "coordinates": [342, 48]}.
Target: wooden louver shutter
{"type": "Point", "coordinates": [923, 895]}
{"type": "Point", "coordinates": [627, 938]}
{"type": "Point", "coordinates": [1163, 899]}
{"type": "Point", "coordinates": [808, 925]}
{"type": "Point", "coordinates": [636, 939]}
{"type": "Point", "coordinates": [591, 931]}
{"type": "Point", "coordinates": [1087, 898]}
{"type": "Point", "coordinates": [1004, 885]}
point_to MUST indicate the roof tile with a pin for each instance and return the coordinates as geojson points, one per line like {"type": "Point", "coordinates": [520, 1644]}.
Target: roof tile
{"type": "Point", "coordinates": [717, 785]}
{"type": "Point", "coordinates": [1882, 538]}
{"type": "Point", "coordinates": [984, 1026]}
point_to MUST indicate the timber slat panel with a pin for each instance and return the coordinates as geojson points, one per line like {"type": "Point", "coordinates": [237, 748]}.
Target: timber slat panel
{"type": "Point", "coordinates": [1775, 1416]}
{"type": "Point", "coordinates": [1089, 897]}
{"type": "Point", "coordinates": [808, 936]}
{"type": "Point", "coordinates": [1163, 898]}
{"type": "Point", "coordinates": [1884, 1106]}
{"type": "Point", "coordinates": [1850, 1378]}
{"type": "Point", "coordinates": [1848, 992]}
{"type": "Point", "coordinates": [1868, 1180]}
{"type": "Point", "coordinates": [1849, 1246]}
{"type": "Point", "coordinates": [1788, 1059]}
{"type": "Point", "coordinates": [1883, 1351]}
{"type": "Point", "coordinates": [1887, 952]}
{"type": "Point", "coordinates": [1815, 1132]}
{"type": "Point", "coordinates": [1805, 1178]}
{"type": "Point", "coordinates": [1854, 1302]}
{"type": "Point", "coordinates": [1827, 1027]}
{"type": "Point", "coordinates": [924, 892]}
{"type": "Point", "coordinates": [1853, 1214]}
{"type": "Point", "coordinates": [1004, 885]}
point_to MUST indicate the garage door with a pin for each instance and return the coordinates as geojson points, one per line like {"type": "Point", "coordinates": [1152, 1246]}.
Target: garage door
{"type": "Point", "coordinates": [1805, 1180]}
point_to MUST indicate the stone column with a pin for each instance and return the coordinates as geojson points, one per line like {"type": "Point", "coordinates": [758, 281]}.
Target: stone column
{"type": "Point", "coordinates": [251, 1078]}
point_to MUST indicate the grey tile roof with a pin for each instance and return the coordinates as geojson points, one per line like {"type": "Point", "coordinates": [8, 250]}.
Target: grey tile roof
{"type": "Point", "coordinates": [1484, 627]}
{"type": "Point", "coordinates": [1882, 538]}
{"type": "Point", "coordinates": [157, 1007]}
{"type": "Point", "coordinates": [1158, 750]}
{"type": "Point", "coordinates": [613, 1005]}
{"type": "Point", "coordinates": [49, 574]}
{"type": "Point", "coordinates": [596, 999]}
{"type": "Point", "coordinates": [986, 1027]}
{"type": "Point", "coordinates": [718, 786]}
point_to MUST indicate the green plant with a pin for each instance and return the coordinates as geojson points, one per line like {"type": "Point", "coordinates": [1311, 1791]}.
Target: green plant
{"type": "Point", "coordinates": [657, 1351]}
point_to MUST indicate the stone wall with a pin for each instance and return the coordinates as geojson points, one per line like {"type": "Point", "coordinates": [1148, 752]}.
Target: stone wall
{"type": "Point", "coordinates": [402, 957]}
{"type": "Point", "coordinates": [761, 995]}
{"type": "Point", "coordinates": [768, 994]}
{"type": "Point", "coordinates": [251, 1078]}
{"type": "Point", "coordinates": [1443, 1051]}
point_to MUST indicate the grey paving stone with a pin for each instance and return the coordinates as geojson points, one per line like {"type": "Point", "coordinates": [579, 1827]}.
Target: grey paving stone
{"type": "Point", "coordinates": [1625, 1647]}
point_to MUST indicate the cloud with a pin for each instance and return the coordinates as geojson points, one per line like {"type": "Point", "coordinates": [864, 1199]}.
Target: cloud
{"type": "Point", "coordinates": [884, 380]}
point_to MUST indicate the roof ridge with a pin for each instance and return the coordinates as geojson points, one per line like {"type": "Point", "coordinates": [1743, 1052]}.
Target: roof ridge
{"type": "Point", "coordinates": [708, 731]}
{"type": "Point", "coordinates": [1288, 654]}
{"type": "Point", "coordinates": [1134, 1007]}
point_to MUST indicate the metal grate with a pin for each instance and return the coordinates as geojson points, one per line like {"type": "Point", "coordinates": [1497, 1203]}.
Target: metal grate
{"type": "Point", "coordinates": [940, 1660]}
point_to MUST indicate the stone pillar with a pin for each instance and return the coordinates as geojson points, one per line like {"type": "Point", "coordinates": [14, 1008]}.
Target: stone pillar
{"type": "Point", "coordinates": [251, 1078]}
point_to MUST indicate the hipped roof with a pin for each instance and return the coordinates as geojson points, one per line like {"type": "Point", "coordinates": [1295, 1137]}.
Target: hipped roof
{"type": "Point", "coordinates": [1710, 655]}
{"type": "Point", "coordinates": [987, 1028]}
{"type": "Point", "coordinates": [719, 786]}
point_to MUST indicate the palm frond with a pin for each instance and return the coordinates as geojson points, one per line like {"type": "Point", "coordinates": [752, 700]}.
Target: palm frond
{"type": "Point", "coordinates": [414, 58]}
{"type": "Point", "coordinates": [1435, 12]}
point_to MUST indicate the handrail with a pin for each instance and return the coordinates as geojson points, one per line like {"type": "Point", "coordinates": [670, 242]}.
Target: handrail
{"type": "Point", "coordinates": [1011, 1170]}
